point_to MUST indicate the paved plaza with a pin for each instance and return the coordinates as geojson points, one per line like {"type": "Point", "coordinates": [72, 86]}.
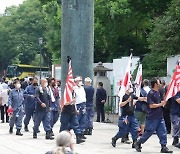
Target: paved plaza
{"type": "Point", "coordinates": [99, 143]}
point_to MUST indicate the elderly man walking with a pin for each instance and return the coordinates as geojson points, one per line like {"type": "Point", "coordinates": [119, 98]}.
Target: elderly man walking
{"type": "Point", "coordinates": [42, 110]}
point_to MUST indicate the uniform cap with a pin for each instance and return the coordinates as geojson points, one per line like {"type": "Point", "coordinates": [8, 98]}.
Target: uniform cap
{"type": "Point", "coordinates": [88, 79]}
{"type": "Point", "coordinates": [79, 78]}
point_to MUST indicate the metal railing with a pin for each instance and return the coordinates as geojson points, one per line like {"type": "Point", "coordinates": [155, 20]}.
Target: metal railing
{"type": "Point", "coordinates": [112, 108]}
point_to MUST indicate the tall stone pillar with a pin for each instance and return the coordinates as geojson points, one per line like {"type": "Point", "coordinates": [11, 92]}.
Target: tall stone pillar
{"type": "Point", "coordinates": [77, 37]}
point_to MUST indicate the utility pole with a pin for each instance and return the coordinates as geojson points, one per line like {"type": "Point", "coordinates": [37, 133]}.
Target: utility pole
{"type": "Point", "coordinates": [77, 37]}
{"type": "Point", "coordinates": [40, 63]}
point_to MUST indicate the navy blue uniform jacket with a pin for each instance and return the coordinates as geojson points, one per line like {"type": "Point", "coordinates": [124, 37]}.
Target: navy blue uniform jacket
{"type": "Point", "coordinates": [100, 95]}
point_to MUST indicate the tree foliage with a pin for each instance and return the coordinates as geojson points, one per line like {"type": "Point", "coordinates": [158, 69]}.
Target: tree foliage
{"type": "Point", "coordinates": [150, 28]}
{"type": "Point", "coordinates": [117, 30]}
{"type": "Point", "coordinates": [52, 11]}
{"type": "Point", "coordinates": [7, 49]}
{"type": "Point", "coordinates": [163, 41]}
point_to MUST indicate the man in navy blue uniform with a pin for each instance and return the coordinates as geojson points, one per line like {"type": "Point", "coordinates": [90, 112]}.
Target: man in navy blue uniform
{"type": "Point", "coordinates": [89, 106]}
{"type": "Point", "coordinates": [42, 113]}
{"type": "Point", "coordinates": [69, 120]}
{"type": "Point", "coordinates": [154, 119]}
{"type": "Point", "coordinates": [175, 119]}
{"type": "Point", "coordinates": [54, 102]}
{"type": "Point", "coordinates": [101, 97]}
{"type": "Point", "coordinates": [127, 121]}
{"type": "Point", "coordinates": [29, 95]}
{"type": "Point", "coordinates": [15, 102]}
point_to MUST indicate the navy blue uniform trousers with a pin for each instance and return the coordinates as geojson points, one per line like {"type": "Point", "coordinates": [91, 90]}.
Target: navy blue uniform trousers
{"type": "Point", "coordinates": [157, 125]}
{"type": "Point", "coordinates": [54, 117]}
{"type": "Point", "coordinates": [69, 121]}
{"type": "Point", "coordinates": [131, 126]}
{"type": "Point", "coordinates": [82, 116]}
{"type": "Point", "coordinates": [89, 117]}
{"type": "Point", "coordinates": [16, 118]}
{"type": "Point", "coordinates": [29, 113]}
{"type": "Point", "coordinates": [45, 118]}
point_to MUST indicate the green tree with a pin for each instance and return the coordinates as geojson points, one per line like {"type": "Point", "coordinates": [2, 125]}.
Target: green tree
{"type": "Point", "coordinates": [118, 29]}
{"type": "Point", "coordinates": [163, 41]}
{"type": "Point", "coordinates": [7, 50]}
{"type": "Point", "coordinates": [52, 11]}
{"type": "Point", "coordinates": [150, 8]}
{"type": "Point", "coordinates": [28, 27]}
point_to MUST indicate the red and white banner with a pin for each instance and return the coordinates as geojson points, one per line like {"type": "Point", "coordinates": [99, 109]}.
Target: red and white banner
{"type": "Point", "coordinates": [126, 80]}
{"type": "Point", "coordinates": [174, 85]}
{"type": "Point", "coordinates": [138, 80]}
{"type": "Point", "coordinates": [67, 97]}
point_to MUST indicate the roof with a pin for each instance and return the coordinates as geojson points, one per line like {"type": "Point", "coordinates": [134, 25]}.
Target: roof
{"type": "Point", "coordinates": [101, 68]}
{"type": "Point", "coordinates": [24, 65]}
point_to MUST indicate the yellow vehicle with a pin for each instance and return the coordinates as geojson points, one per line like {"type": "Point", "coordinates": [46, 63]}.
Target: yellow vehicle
{"type": "Point", "coordinates": [21, 71]}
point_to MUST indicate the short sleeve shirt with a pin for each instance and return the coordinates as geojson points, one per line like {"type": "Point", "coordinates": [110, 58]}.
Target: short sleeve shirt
{"type": "Point", "coordinates": [154, 97]}
{"type": "Point", "coordinates": [128, 109]}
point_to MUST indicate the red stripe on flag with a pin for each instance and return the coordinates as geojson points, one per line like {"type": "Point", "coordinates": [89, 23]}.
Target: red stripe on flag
{"type": "Point", "coordinates": [174, 85]}
{"type": "Point", "coordinates": [126, 79]}
{"type": "Point", "coordinates": [67, 97]}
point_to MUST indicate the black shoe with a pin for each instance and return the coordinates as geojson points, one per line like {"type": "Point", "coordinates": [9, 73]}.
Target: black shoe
{"type": "Point", "coordinates": [48, 136]}
{"type": "Point", "coordinates": [114, 139]}
{"type": "Point", "coordinates": [34, 134]}
{"type": "Point", "coordinates": [79, 139]}
{"type": "Point", "coordinates": [2, 121]}
{"type": "Point", "coordinates": [137, 146]}
{"type": "Point", "coordinates": [175, 141]}
{"type": "Point", "coordinates": [52, 133]}
{"type": "Point", "coordinates": [125, 140]}
{"type": "Point", "coordinates": [177, 145]}
{"type": "Point", "coordinates": [11, 130]}
{"type": "Point", "coordinates": [26, 128]}
{"type": "Point", "coordinates": [90, 131]}
{"type": "Point", "coordinates": [164, 149]}
{"type": "Point", "coordinates": [86, 132]}
{"type": "Point", "coordinates": [83, 137]}
{"type": "Point", "coordinates": [133, 146]}
{"type": "Point", "coordinates": [18, 132]}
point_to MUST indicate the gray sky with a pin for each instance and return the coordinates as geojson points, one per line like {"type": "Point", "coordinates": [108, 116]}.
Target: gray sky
{"type": "Point", "coordinates": [7, 3]}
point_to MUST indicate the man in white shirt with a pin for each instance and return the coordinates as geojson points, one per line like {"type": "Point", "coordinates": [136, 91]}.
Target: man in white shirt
{"type": "Point", "coordinates": [80, 97]}
{"type": "Point", "coordinates": [146, 86]}
{"type": "Point", "coordinates": [4, 104]}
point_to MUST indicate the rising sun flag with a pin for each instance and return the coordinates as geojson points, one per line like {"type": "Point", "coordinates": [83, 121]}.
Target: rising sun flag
{"type": "Point", "coordinates": [67, 97]}
{"type": "Point", "coordinates": [174, 85]}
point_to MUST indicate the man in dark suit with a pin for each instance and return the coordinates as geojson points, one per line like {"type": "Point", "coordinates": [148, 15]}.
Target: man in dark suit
{"type": "Point", "coordinates": [100, 101]}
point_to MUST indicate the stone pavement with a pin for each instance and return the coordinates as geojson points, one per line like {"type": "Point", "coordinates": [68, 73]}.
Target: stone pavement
{"type": "Point", "coordinates": [98, 143]}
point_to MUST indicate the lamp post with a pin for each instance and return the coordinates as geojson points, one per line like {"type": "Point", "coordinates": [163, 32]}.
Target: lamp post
{"type": "Point", "coordinates": [40, 45]}
{"type": "Point", "coordinates": [131, 51]}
